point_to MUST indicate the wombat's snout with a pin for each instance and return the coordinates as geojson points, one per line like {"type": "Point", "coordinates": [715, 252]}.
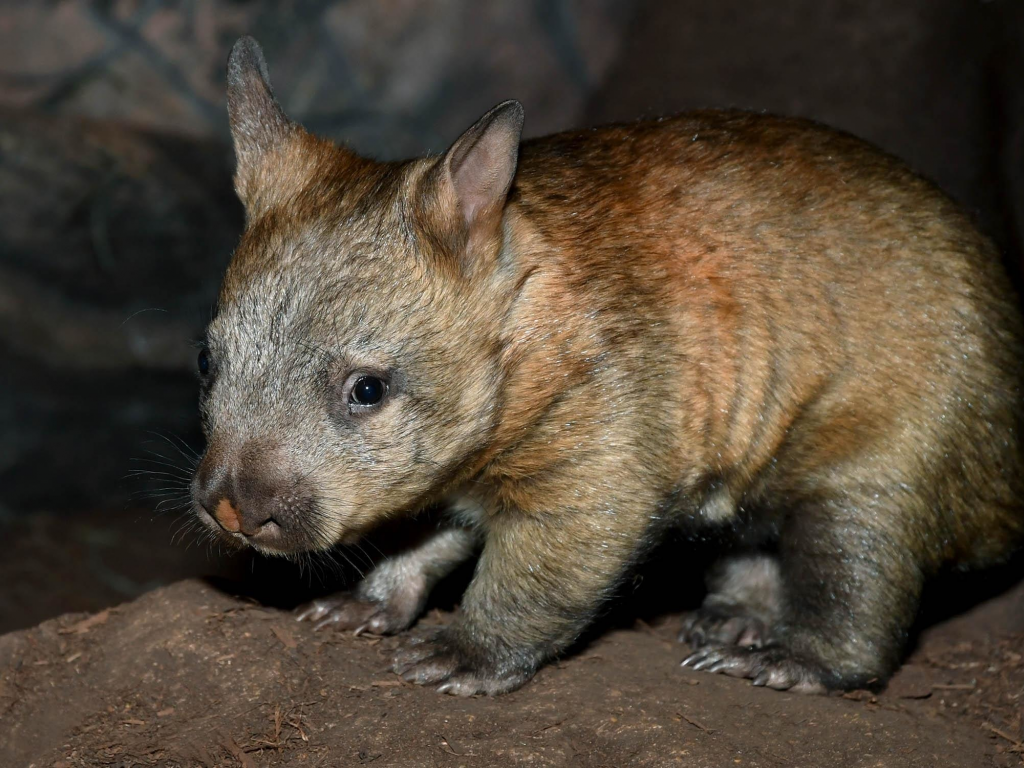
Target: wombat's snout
{"type": "Point", "coordinates": [251, 498]}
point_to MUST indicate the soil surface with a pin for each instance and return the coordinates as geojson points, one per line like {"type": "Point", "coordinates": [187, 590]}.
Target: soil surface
{"type": "Point", "coordinates": [192, 675]}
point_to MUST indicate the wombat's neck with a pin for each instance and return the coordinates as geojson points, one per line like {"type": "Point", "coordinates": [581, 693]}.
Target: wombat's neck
{"type": "Point", "coordinates": [574, 335]}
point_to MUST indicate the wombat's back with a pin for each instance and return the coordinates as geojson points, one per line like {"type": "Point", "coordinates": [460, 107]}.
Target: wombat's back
{"type": "Point", "coordinates": [825, 316]}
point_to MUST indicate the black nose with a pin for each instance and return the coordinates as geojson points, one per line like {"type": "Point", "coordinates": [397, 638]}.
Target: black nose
{"type": "Point", "coordinates": [237, 504]}
{"type": "Point", "coordinates": [251, 491]}
{"type": "Point", "coordinates": [236, 520]}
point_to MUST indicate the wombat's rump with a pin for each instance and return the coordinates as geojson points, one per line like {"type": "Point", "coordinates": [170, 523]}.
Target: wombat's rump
{"type": "Point", "coordinates": [716, 321]}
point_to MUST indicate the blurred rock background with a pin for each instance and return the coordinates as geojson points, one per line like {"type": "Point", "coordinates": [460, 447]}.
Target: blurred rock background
{"type": "Point", "coordinates": [117, 215]}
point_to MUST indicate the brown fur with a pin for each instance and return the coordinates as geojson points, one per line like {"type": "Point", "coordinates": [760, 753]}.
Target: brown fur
{"type": "Point", "coordinates": [719, 321]}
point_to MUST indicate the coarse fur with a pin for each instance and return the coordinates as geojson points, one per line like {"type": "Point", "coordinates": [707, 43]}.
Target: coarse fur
{"type": "Point", "coordinates": [719, 321]}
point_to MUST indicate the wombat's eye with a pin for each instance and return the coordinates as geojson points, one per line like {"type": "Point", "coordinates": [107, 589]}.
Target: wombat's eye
{"type": "Point", "coordinates": [368, 390]}
{"type": "Point", "coordinates": [204, 362]}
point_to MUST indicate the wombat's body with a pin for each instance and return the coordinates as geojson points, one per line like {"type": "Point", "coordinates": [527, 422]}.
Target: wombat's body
{"type": "Point", "coordinates": [719, 321]}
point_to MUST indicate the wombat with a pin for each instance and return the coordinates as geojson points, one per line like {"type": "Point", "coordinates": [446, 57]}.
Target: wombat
{"type": "Point", "coordinates": [752, 329]}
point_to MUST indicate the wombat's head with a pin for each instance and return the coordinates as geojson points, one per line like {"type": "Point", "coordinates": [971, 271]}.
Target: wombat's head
{"type": "Point", "coordinates": [354, 365]}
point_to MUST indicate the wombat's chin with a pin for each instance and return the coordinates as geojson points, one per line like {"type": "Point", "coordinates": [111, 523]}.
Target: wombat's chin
{"type": "Point", "coordinates": [288, 549]}
{"type": "Point", "coordinates": [272, 551]}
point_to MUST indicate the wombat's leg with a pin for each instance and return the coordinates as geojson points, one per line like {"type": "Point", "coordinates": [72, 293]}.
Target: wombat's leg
{"type": "Point", "coordinates": [393, 594]}
{"type": "Point", "coordinates": [743, 603]}
{"type": "Point", "coordinates": [539, 582]}
{"type": "Point", "coordinates": [850, 593]}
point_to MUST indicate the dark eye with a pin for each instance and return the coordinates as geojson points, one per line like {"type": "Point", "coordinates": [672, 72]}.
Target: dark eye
{"type": "Point", "coordinates": [368, 390]}
{"type": "Point", "coordinates": [204, 362]}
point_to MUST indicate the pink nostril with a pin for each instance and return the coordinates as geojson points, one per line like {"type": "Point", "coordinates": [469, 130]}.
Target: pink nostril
{"type": "Point", "coordinates": [228, 516]}
{"type": "Point", "coordinates": [232, 520]}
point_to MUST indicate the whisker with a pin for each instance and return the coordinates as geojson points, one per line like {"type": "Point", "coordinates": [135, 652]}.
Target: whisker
{"type": "Point", "coordinates": [156, 473]}
{"type": "Point", "coordinates": [192, 456]}
{"type": "Point", "coordinates": [160, 509]}
{"type": "Point", "coordinates": [161, 460]}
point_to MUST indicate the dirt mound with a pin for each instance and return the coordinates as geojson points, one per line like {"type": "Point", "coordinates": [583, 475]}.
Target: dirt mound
{"type": "Point", "coordinates": [192, 676]}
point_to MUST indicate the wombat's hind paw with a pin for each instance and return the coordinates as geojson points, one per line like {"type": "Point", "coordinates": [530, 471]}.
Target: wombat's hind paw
{"type": "Point", "coordinates": [429, 658]}
{"type": "Point", "coordinates": [716, 626]}
{"type": "Point", "coordinates": [346, 611]}
{"type": "Point", "coordinates": [771, 666]}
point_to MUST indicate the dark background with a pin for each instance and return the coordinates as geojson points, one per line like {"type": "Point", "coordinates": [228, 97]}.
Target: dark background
{"type": "Point", "coordinates": [117, 215]}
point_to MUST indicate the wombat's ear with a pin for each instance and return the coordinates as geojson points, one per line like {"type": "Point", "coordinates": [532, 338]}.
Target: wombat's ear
{"type": "Point", "coordinates": [477, 172]}
{"type": "Point", "coordinates": [258, 124]}
{"type": "Point", "coordinates": [482, 163]}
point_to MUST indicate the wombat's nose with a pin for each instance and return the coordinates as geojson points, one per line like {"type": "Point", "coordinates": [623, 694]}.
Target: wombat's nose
{"type": "Point", "coordinates": [251, 521]}
{"type": "Point", "coordinates": [233, 510]}
{"type": "Point", "coordinates": [249, 492]}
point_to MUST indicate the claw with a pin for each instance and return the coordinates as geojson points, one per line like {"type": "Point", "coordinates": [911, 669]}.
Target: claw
{"type": "Point", "coordinates": [772, 667]}
{"type": "Point", "coordinates": [312, 611]}
{"type": "Point", "coordinates": [700, 660]}
{"type": "Point", "coordinates": [349, 611]}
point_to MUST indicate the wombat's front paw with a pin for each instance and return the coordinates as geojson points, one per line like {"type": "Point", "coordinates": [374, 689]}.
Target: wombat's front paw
{"type": "Point", "coordinates": [432, 657]}
{"type": "Point", "coordinates": [346, 610]}
{"type": "Point", "coordinates": [773, 666]}
{"type": "Point", "coordinates": [716, 626]}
